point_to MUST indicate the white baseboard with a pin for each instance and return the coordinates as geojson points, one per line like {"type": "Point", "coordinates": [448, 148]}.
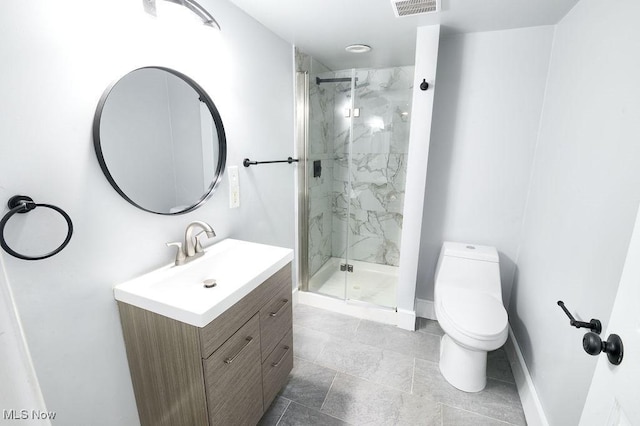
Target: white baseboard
{"type": "Point", "coordinates": [425, 309]}
{"type": "Point", "coordinates": [294, 297]}
{"type": "Point", "coordinates": [528, 396]}
{"type": "Point", "coordinates": [406, 319]}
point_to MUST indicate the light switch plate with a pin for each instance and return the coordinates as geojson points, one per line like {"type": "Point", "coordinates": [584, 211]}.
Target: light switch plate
{"type": "Point", "coordinates": [234, 188]}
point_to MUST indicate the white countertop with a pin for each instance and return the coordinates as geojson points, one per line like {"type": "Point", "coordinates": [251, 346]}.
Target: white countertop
{"type": "Point", "coordinates": [178, 292]}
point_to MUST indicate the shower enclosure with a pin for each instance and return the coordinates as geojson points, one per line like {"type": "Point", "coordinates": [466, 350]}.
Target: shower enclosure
{"type": "Point", "coordinates": [355, 127]}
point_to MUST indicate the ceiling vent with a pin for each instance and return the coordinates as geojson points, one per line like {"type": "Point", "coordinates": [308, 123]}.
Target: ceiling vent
{"type": "Point", "coordinates": [414, 7]}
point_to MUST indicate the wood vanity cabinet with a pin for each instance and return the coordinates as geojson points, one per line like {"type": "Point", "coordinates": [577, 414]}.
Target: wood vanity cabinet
{"type": "Point", "coordinates": [225, 373]}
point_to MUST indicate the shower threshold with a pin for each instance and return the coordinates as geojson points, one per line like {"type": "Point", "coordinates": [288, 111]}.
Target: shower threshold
{"type": "Point", "coordinates": [370, 290]}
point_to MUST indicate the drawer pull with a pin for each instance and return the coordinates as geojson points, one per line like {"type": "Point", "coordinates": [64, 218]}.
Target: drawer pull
{"type": "Point", "coordinates": [230, 360]}
{"type": "Point", "coordinates": [275, 364]}
{"type": "Point", "coordinates": [275, 314]}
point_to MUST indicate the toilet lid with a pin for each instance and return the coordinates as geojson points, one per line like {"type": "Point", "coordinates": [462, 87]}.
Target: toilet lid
{"type": "Point", "coordinates": [475, 314]}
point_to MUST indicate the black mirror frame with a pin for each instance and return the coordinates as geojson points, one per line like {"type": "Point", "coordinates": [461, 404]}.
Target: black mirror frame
{"type": "Point", "coordinates": [222, 140]}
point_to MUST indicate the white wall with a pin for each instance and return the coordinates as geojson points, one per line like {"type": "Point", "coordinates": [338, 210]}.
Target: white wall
{"type": "Point", "coordinates": [485, 123]}
{"type": "Point", "coordinates": [422, 104]}
{"type": "Point", "coordinates": [19, 388]}
{"type": "Point", "coordinates": [584, 194]}
{"type": "Point", "coordinates": [58, 58]}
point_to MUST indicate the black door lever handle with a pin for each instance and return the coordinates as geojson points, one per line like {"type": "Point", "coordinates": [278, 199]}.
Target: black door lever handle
{"type": "Point", "coordinates": [593, 325]}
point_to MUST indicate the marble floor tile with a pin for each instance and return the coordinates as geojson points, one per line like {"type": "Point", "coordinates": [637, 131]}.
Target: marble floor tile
{"type": "Point", "coordinates": [424, 325]}
{"type": "Point", "coordinates": [308, 343]}
{"type": "Point", "coordinates": [456, 417]}
{"type": "Point", "coordinates": [499, 400]}
{"type": "Point", "coordinates": [419, 345]}
{"type": "Point", "coordinates": [308, 383]}
{"type": "Point", "coordinates": [377, 365]}
{"type": "Point", "coordinates": [499, 367]}
{"type": "Point", "coordinates": [274, 412]}
{"type": "Point", "coordinates": [360, 402]}
{"type": "Point", "coordinates": [299, 415]}
{"type": "Point", "coordinates": [329, 322]}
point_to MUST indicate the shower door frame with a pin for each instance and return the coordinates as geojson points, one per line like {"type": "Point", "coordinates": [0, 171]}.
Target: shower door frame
{"type": "Point", "coordinates": [302, 136]}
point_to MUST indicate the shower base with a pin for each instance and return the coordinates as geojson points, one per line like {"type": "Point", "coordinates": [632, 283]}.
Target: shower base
{"type": "Point", "coordinates": [369, 283]}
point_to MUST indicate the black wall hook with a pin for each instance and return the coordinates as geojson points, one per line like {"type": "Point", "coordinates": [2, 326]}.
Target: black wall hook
{"type": "Point", "coordinates": [424, 85]}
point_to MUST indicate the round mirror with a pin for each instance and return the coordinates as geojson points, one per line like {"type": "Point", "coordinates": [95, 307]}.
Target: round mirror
{"type": "Point", "coordinates": [160, 140]}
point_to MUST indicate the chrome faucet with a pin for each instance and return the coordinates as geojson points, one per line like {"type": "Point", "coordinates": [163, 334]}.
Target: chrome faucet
{"type": "Point", "coordinates": [190, 250]}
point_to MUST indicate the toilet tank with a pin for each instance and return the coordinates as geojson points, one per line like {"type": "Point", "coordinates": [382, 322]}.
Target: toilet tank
{"type": "Point", "coordinates": [469, 266]}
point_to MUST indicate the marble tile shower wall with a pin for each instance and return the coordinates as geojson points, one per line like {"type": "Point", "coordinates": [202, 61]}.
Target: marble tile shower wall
{"type": "Point", "coordinates": [321, 107]}
{"type": "Point", "coordinates": [373, 224]}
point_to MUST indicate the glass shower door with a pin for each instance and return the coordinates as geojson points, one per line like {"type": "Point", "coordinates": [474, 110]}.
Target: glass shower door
{"type": "Point", "coordinates": [343, 176]}
{"type": "Point", "coordinates": [329, 137]}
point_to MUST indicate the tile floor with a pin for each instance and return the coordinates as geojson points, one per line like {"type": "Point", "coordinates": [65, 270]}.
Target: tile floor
{"type": "Point", "coordinates": [349, 371]}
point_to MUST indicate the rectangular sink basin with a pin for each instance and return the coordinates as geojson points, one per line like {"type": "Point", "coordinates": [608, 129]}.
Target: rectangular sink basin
{"type": "Point", "coordinates": [178, 292]}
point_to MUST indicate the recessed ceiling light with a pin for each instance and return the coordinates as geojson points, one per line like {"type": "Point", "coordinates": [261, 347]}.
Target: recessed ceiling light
{"type": "Point", "coordinates": [358, 48]}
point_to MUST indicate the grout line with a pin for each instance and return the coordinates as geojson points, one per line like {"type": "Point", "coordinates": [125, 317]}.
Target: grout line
{"type": "Point", "coordinates": [413, 375]}
{"type": "Point", "coordinates": [501, 381]}
{"type": "Point", "coordinates": [333, 368]}
{"type": "Point", "coordinates": [312, 409]}
{"type": "Point", "coordinates": [357, 326]}
{"type": "Point", "coordinates": [335, 376]}
{"type": "Point", "coordinates": [398, 351]}
{"type": "Point", "coordinates": [283, 411]}
{"type": "Point", "coordinates": [429, 333]}
{"type": "Point", "coordinates": [317, 362]}
{"type": "Point", "coordinates": [475, 413]}
{"type": "Point", "coordinates": [389, 387]}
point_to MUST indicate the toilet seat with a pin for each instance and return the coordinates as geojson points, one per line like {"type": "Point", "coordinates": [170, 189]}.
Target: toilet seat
{"type": "Point", "coordinates": [476, 315]}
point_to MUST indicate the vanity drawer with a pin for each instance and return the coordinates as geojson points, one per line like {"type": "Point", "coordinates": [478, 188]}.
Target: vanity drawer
{"type": "Point", "coordinates": [222, 328]}
{"type": "Point", "coordinates": [275, 320]}
{"type": "Point", "coordinates": [276, 368]}
{"type": "Point", "coordinates": [233, 378]}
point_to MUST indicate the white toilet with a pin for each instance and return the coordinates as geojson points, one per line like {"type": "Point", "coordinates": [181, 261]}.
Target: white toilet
{"type": "Point", "coordinates": [468, 305]}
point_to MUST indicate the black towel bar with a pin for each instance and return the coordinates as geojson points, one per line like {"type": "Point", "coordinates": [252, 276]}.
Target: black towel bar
{"type": "Point", "coordinates": [248, 162]}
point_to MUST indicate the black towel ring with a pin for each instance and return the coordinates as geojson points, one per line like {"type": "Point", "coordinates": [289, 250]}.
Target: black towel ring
{"type": "Point", "coordinates": [23, 204]}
